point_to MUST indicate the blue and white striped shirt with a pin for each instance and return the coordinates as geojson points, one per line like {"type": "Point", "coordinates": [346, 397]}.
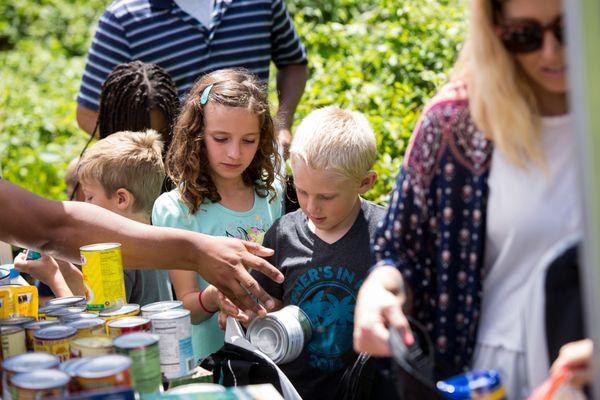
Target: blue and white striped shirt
{"type": "Point", "coordinates": [243, 33]}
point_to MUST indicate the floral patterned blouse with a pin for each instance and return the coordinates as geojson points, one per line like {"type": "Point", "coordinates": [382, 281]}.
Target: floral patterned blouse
{"type": "Point", "coordinates": [434, 230]}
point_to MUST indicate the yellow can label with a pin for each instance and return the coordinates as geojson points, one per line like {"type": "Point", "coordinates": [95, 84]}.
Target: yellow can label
{"type": "Point", "coordinates": [103, 275]}
{"type": "Point", "coordinates": [18, 301]}
{"type": "Point", "coordinates": [58, 347]}
{"type": "Point", "coordinates": [13, 343]}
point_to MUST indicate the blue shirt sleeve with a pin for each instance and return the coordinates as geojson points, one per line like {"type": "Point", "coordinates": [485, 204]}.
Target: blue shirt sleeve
{"type": "Point", "coordinates": [286, 46]}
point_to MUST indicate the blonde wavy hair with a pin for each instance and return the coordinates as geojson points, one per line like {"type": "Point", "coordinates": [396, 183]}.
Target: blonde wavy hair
{"type": "Point", "coordinates": [501, 100]}
{"type": "Point", "coordinates": [187, 159]}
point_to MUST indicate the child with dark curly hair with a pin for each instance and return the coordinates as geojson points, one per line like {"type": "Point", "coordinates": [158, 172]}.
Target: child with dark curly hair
{"type": "Point", "coordinates": [224, 163]}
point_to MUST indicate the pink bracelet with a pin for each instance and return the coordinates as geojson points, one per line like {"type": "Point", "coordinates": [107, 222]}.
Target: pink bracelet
{"type": "Point", "coordinates": [202, 304]}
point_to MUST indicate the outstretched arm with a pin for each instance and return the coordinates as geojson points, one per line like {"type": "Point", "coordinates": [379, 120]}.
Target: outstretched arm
{"type": "Point", "coordinates": [60, 228]}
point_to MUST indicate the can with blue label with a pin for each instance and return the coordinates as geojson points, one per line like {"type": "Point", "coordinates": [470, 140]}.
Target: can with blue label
{"type": "Point", "coordinates": [174, 328]}
{"type": "Point", "coordinates": [480, 385]}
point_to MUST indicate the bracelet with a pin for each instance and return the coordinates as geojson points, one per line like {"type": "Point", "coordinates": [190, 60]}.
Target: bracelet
{"type": "Point", "coordinates": [202, 304]}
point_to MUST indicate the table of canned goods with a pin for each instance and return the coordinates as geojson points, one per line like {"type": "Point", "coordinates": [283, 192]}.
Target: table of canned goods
{"type": "Point", "coordinates": [67, 350]}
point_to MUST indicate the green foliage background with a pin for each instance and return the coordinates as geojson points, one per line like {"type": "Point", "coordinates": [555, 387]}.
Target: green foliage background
{"type": "Point", "coordinates": [384, 58]}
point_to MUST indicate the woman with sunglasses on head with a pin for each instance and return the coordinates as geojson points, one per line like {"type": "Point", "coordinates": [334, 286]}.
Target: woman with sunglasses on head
{"type": "Point", "coordinates": [488, 184]}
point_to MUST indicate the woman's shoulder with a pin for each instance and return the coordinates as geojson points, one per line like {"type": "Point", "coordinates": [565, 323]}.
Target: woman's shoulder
{"type": "Point", "coordinates": [169, 208]}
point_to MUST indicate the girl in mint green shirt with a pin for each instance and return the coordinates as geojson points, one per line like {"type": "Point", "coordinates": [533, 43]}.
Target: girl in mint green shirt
{"type": "Point", "coordinates": [224, 162]}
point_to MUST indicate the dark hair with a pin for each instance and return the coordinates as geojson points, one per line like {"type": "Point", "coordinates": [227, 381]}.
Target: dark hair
{"type": "Point", "coordinates": [187, 161]}
{"type": "Point", "coordinates": [131, 91]}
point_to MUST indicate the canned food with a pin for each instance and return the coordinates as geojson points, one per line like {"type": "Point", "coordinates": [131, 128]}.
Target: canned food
{"type": "Point", "coordinates": [54, 339]}
{"type": "Point", "coordinates": [70, 366]}
{"type": "Point", "coordinates": [88, 327]}
{"type": "Point", "coordinates": [31, 327]}
{"type": "Point", "coordinates": [77, 316]}
{"type": "Point", "coordinates": [18, 301]}
{"type": "Point", "coordinates": [118, 327]}
{"type": "Point", "coordinates": [111, 370]}
{"type": "Point", "coordinates": [24, 363]}
{"type": "Point", "coordinates": [13, 341]}
{"type": "Point", "coordinates": [160, 306]}
{"type": "Point", "coordinates": [91, 346]}
{"type": "Point", "coordinates": [61, 312]}
{"type": "Point", "coordinates": [68, 301]}
{"type": "Point", "coordinates": [43, 310]}
{"type": "Point", "coordinates": [103, 275]}
{"type": "Point", "coordinates": [142, 348]}
{"type": "Point", "coordinates": [281, 335]}
{"type": "Point", "coordinates": [39, 384]}
{"type": "Point", "coordinates": [196, 388]}
{"type": "Point", "coordinates": [480, 385]}
{"type": "Point", "coordinates": [16, 321]}
{"type": "Point", "coordinates": [126, 310]}
{"type": "Point", "coordinates": [175, 345]}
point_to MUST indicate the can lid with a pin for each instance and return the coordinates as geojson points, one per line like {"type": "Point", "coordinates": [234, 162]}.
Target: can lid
{"type": "Point", "coordinates": [66, 301]}
{"type": "Point", "coordinates": [171, 314]}
{"type": "Point", "coordinates": [120, 310]}
{"type": "Point", "coordinates": [86, 323]}
{"type": "Point", "coordinates": [163, 305]}
{"type": "Point", "coordinates": [40, 379]}
{"type": "Point", "coordinates": [100, 246]}
{"type": "Point", "coordinates": [127, 322]}
{"type": "Point", "coordinates": [461, 386]}
{"type": "Point", "coordinates": [102, 366]}
{"type": "Point", "coordinates": [41, 324]}
{"type": "Point", "coordinates": [58, 331]}
{"type": "Point", "coordinates": [19, 320]}
{"type": "Point", "coordinates": [196, 388]}
{"type": "Point", "coordinates": [135, 340]}
{"type": "Point", "coordinates": [93, 341]}
{"type": "Point", "coordinates": [10, 329]}
{"type": "Point", "coordinates": [77, 316]}
{"type": "Point", "coordinates": [70, 366]}
{"type": "Point", "coordinates": [30, 361]}
{"type": "Point", "coordinates": [46, 308]}
{"type": "Point", "coordinates": [269, 336]}
{"type": "Point", "coordinates": [62, 311]}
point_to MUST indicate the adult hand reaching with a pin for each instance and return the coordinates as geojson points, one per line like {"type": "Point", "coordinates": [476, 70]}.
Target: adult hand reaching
{"type": "Point", "coordinates": [378, 309]}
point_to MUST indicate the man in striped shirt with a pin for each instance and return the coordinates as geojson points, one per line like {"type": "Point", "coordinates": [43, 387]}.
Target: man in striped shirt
{"type": "Point", "coordinates": [189, 38]}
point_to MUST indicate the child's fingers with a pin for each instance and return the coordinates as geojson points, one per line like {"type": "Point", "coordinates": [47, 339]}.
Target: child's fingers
{"type": "Point", "coordinates": [222, 320]}
{"type": "Point", "coordinates": [227, 306]}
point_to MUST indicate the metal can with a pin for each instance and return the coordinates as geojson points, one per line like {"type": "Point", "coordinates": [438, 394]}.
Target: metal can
{"type": "Point", "coordinates": [70, 366]}
{"type": "Point", "coordinates": [13, 341]}
{"type": "Point", "coordinates": [175, 331]}
{"type": "Point", "coordinates": [196, 388]}
{"type": "Point", "coordinates": [24, 363]}
{"type": "Point", "coordinates": [68, 301]}
{"type": "Point", "coordinates": [60, 313]}
{"type": "Point", "coordinates": [39, 384]}
{"type": "Point", "coordinates": [126, 310]}
{"type": "Point", "coordinates": [111, 370]}
{"type": "Point", "coordinates": [118, 327]}
{"type": "Point", "coordinates": [17, 300]}
{"type": "Point", "coordinates": [142, 348]}
{"type": "Point", "coordinates": [281, 335]}
{"type": "Point", "coordinates": [31, 327]}
{"type": "Point", "coordinates": [16, 321]}
{"type": "Point", "coordinates": [43, 310]}
{"type": "Point", "coordinates": [54, 339]}
{"type": "Point", "coordinates": [480, 385]}
{"type": "Point", "coordinates": [77, 316]}
{"type": "Point", "coordinates": [160, 306]}
{"type": "Point", "coordinates": [103, 275]}
{"type": "Point", "coordinates": [88, 327]}
{"type": "Point", "coordinates": [92, 346]}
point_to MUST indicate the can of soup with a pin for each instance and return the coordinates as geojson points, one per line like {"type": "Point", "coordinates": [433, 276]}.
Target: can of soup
{"type": "Point", "coordinates": [103, 275]}
{"type": "Point", "coordinates": [118, 327]}
{"type": "Point", "coordinates": [175, 346]}
{"type": "Point", "coordinates": [281, 335]}
{"type": "Point", "coordinates": [77, 316]}
{"type": "Point", "coordinates": [68, 301]}
{"type": "Point", "coordinates": [107, 371]}
{"type": "Point", "coordinates": [88, 327]}
{"type": "Point", "coordinates": [91, 346]}
{"type": "Point", "coordinates": [13, 341]}
{"type": "Point", "coordinates": [31, 327]}
{"type": "Point", "coordinates": [126, 310]}
{"type": "Point", "coordinates": [16, 321]}
{"type": "Point", "coordinates": [160, 306]}
{"type": "Point", "coordinates": [54, 339]}
{"type": "Point", "coordinates": [480, 385]}
{"type": "Point", "coordinates": [142, 348]}
{"type": "Point", "coordinates": [44, 309]}
{"type": "Point", "coordinates": [62, 312]}
{"type": "Point", "coordinates": [27, 362]}
{"type": "Point", "coordinates": [39, 384]}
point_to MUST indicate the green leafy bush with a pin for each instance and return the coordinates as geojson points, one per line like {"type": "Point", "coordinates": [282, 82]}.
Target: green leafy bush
{"type": "Point", "coordinates": [384, 58]}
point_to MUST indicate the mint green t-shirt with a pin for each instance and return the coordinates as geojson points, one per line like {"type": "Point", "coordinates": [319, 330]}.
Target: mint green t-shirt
{"type": "Point", "coordinates": [214, 219]}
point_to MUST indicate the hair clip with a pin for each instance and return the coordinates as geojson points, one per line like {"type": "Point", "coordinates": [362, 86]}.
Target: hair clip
{"type": "Point", "coordinates": [205, 93]}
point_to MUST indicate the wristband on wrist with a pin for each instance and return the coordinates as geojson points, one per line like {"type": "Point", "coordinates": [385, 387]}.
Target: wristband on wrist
{"type": "Point", "coordinates": [202, 304]}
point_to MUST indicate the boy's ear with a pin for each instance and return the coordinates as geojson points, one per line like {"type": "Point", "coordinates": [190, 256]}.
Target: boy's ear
{"type": "Point", "coordinates": [367, 182]}
{"type": "Point", "coordinates": [124, 199]}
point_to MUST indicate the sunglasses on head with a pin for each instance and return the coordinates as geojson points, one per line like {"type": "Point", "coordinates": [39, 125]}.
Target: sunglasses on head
{"type": "Point", "coordinates": [527, 35]}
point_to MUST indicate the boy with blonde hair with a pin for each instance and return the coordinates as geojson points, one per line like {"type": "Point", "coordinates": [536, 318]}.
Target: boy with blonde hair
{"type": "Point", "coordinates": [323, 249]}
{"type": "Point", "coordinates": [124, 173]}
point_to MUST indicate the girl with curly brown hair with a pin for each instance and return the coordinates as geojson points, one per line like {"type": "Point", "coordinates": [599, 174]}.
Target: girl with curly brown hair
{"type": "Point", "coordinates": [224, 162]}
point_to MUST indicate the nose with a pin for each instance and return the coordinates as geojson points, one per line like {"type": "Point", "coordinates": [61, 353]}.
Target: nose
{"type": "Point", "coordinates": [551, 47]}
{"type": "Point", "coordinates": [234, 150]}
{"type": "Point", "coordinates": [312, 205]}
